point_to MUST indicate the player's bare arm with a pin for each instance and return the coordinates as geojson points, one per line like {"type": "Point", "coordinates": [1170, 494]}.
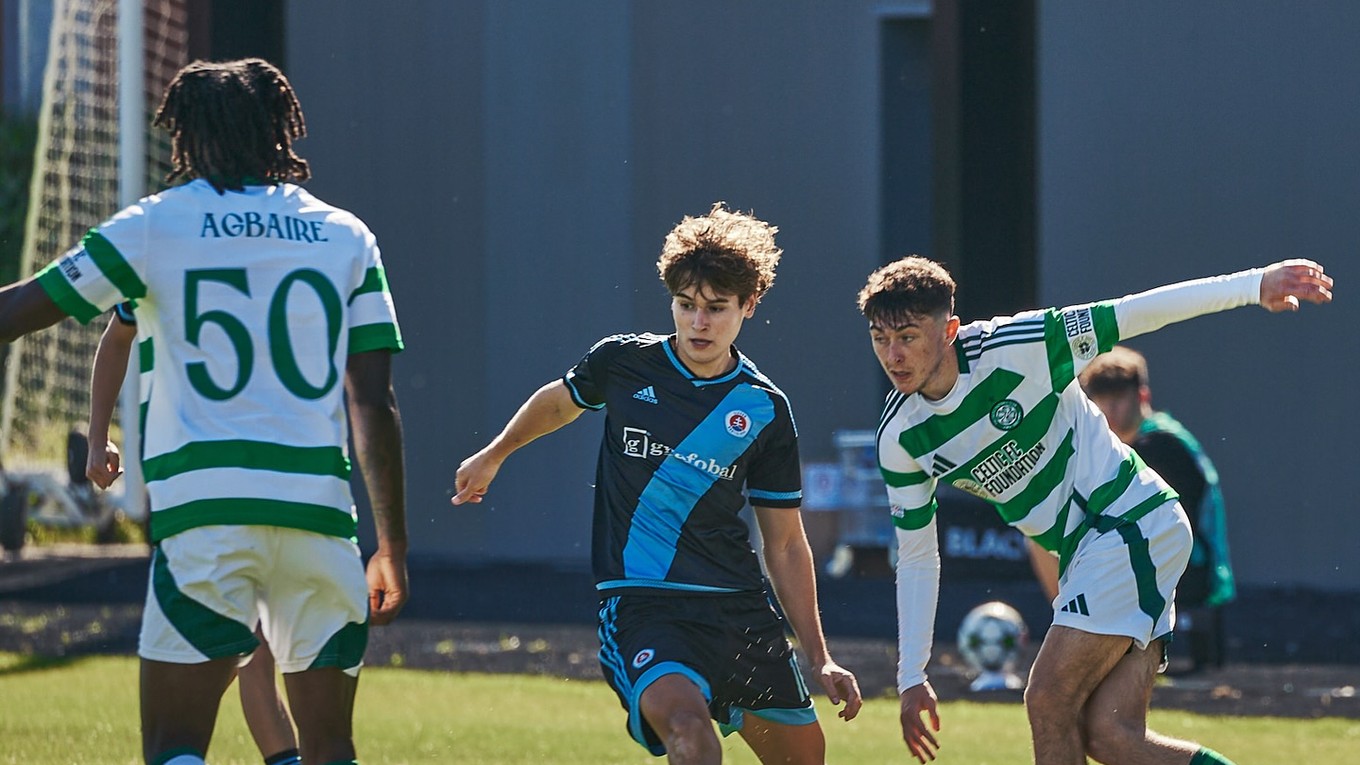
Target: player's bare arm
{"type": "Point", "coordinates": [376, 425]}
{"type": "Point", "coordinates": [26, 307]}
{"type": "Point", "coordinates": [1288, 282]}
{"type": "Point", "coordinates": [788, 560]}
{"type": "Point", "coordinates": [920, 721]}
{"type": "Point", "coordinates": [549, 409]}
{"type": "Point", "coordinates": [103, 463]}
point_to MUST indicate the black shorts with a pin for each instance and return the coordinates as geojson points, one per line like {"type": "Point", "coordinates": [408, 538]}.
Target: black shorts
{"type": "Point", "coordinates": [732, 646]}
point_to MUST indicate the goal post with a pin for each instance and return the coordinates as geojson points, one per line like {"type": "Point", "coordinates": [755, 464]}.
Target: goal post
{"type": "Point", "coordinates": [72, 186]}
{"type": "Point", "coordinates": [132, 167]}
{"type": "Point", "coordinates": [108, 61]}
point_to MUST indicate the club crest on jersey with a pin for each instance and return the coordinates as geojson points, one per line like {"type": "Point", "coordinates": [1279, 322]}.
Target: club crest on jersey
{"type": "Point", "coordinates": [642, 657]}
{"type": "Point", "coordinates": [738, 423]}
{"type": "Point", "coordinates": [1007, 414]}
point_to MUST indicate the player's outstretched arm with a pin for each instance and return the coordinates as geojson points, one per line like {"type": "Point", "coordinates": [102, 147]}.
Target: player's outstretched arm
{"type": "Point", "coordinates": [376, 425]}
{"type": "Point", "coordinates": [1278, 287]}
{"type": "Point", "coordinates": [789, 562]}
{"type": "Point", "coordinates": [919, 735]}
{"type": "Point", "coordinates": [550, 408]}
{"type": "Point", "coordinates": [102, 465]}
{"type": "Point", "coordinates": [26, 307]}
{"type": "Point", "coordinates": [1286, 283]}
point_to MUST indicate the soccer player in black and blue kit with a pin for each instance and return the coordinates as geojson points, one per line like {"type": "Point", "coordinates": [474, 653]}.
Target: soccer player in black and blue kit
{"type": "Point", "coordinates": [687, 631]}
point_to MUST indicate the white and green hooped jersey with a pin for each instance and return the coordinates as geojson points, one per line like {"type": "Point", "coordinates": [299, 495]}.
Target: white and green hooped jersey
{"type": "Point", "coordinates": [1017, 431]}
{"type": "Point", "coordinates": [248, 305]}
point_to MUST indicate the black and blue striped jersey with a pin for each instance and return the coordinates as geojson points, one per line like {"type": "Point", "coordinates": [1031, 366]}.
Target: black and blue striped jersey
{"type": "Point", "coordinates": [679, 459]}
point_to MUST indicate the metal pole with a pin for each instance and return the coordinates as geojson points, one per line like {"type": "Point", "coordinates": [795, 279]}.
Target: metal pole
{"type": "Point", "coordinates": [132, 118]}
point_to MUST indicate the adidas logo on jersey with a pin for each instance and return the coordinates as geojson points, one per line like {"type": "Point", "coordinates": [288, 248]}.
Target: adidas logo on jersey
{"type": "Point", "coordinates": [941, 466]}
{"type": "Point", "coordinates": [1077, 605]}
{"type": "Point", "coordinates": [647, 394]}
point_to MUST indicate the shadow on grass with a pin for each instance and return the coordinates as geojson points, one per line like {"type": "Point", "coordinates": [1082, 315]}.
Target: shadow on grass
{"type": "Point", "coordinates": [16, 664]}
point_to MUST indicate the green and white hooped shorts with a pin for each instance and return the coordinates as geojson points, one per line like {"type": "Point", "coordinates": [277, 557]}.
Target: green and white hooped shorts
{"type": "Point", "coordinates": [1123, 581]}
{"type": "Point", "coordinates": [210, 586]}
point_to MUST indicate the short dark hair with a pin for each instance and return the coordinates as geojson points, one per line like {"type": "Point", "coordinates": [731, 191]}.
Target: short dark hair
{"type": "Point", "coordinates": [730, 252]}
{"type": "Point", "coordinates": [231, 122]}
{"type": "Point", "coordinates": [1121, 370]}
{"type": "Point", "coordinates": [909, 287]}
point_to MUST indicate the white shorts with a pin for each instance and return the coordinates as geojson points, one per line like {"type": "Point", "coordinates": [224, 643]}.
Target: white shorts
{"type": "Point", "coordinates": [210, 586]}
{"type": "Point", "coordinates": [1123, 581]}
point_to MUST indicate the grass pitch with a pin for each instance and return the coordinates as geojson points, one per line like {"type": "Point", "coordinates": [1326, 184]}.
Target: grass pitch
{"type": "Point", "coordinates": [85, 710]}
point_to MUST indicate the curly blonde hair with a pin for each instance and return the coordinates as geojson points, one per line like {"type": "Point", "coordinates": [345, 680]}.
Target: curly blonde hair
{"type": "Point", "coordinates": [728, 252]}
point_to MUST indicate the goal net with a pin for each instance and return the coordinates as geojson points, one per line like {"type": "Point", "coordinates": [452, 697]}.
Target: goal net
{"type": "Point", "coordinates": [75, 185]}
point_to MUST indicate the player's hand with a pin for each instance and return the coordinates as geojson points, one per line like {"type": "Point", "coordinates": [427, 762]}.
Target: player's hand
{"type": "Point", "coordinates": [918, 700]}
{"type": "Point", "coordinates": [103, 464]}
{"type": "Point", "coordinates": [387, 586]}
{"type": "Point", "coordinates": [1290, 281]}
{"type": "Point", "coordinates": [475, 476]}
{"type": "Point", "coordinates": [840, 685]}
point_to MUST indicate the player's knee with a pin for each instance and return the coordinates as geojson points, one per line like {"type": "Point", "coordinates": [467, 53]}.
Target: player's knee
{"type": "Point", "coordinates": [163, 739]}
{"type": "Point", "coordinates": [686, 723]}
{"type": "Point", "coordinates": [1037, 697]}
{"type": "Point", "coordinates": [1046, 702]}
{"type": "Point", "coordinates": [328, 752]}
{"type": "Point", "coordinates": [688, 733]}
{"type": "Point", "coordinates": [1109, 737]}
{"type": "Point", "coordinates": [327, 745]}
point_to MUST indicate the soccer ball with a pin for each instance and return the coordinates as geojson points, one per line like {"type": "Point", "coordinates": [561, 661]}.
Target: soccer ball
{"type": "Point", "coordinates": [991, 636]}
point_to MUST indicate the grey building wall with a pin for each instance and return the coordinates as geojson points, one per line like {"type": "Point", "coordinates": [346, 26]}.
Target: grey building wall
{"type": "Point", "coordinates": [521, 164]}
{"type": "Point", "coordinates": [1186, 139]}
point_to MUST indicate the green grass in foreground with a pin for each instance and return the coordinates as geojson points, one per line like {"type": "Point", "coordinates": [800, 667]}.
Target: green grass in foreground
{"type": "Point", "coordinates": [85, 711]}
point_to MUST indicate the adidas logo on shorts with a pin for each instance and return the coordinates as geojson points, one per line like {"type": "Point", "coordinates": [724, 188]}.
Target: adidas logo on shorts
{"type": "Point", "coordinates": [647, 394]}
{"type": "Point", "coordinates": [1077, 606]}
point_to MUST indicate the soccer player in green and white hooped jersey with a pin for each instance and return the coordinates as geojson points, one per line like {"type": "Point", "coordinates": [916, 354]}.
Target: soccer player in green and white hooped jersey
{"type": "Point", "coordinates": [261, 312]}
{"type": "Point", "coordinates": [1117, 383]}
{"type": "Point", "coordinates": [267, 717]}
{"type": "Point", "coordinates": [993, 408]}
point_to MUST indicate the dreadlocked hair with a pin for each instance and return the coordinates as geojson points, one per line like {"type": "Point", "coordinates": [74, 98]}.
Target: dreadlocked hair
{"type": "Point", "coordinates": [231, 122]}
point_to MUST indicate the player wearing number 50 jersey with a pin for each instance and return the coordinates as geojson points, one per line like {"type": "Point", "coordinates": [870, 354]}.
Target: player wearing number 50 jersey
{"type": "Point", "coordinates": [261, 310]}
{"type": "Point", "coordinates": [248, 304]}
{"type": "Point", "coordinates": [994, 408]}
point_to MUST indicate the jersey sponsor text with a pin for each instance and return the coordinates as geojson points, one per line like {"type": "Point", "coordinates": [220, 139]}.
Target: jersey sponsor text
{"type": "Point", "coordinates": [1006, 466]}
{"type": "Point", "coordinates": [639, 443]}
{"type": "Point", "coordinates": [69, 266]}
